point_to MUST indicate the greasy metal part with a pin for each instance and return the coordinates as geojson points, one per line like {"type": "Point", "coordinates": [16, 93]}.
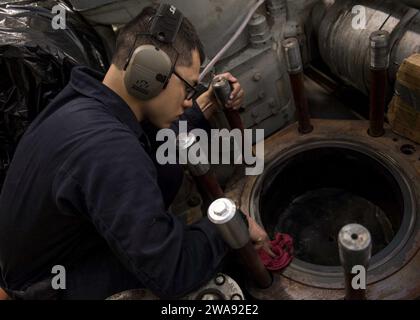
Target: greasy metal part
{"type": "Point", "coordinates": [295, 69]}
{"type": "Point", "coordinates": [355, 247]}
{"type": "Point", "coordinates": [379, 50]}
{"type": "Point", "coordinates": [231, 224]}
{"type": "Point", "coordinates": [393, 272]}
{"type": "Point", "coordinates": [229, 221]}
{"type": "Point", "coordinates": [221, 287]}
{"type": "Point", "coordinates": [292, 54]}
{"type": "Point", "coordinates": [259, 32]}
{"type": "Point", "coordinates": [379, 53]}
{"type": "Point", "coordinates": [343, 39]}
{"type": "Point", "coordinates": [222, 90]}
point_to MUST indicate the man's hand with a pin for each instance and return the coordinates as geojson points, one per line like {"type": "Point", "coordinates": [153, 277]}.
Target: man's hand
{"type": "Point", "coordinates": [208, 103]}
{"type": "Point", "coordinates": [259, 236]}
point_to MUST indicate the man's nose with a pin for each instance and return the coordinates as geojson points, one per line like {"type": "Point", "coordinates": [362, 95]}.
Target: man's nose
{"type": "Point", "coordinates": [187, 104]}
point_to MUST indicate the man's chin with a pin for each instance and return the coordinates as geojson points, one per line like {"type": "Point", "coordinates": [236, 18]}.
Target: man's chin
{"type": "Point", "coordinates": [166, 125]}
{"type": "Point", "coordinates": [161, 124]}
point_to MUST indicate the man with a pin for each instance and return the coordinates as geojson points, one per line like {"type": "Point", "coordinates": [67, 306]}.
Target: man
{"type": "Point", "coordinates": [84, 190]}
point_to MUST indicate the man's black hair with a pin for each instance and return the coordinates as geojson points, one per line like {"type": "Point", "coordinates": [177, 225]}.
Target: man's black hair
{"type": "Point", "coordinates": [186, 41]}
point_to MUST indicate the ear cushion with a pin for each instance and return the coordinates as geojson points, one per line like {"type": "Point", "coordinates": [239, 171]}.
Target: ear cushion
{"type": "Point", "coordinates": [148, 72]}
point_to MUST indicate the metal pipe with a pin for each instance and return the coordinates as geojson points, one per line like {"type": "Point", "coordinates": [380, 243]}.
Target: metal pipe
{"type": "Point", "coordinates": [237, 33]}
{"type": "Point", "coordinates": [379, 64]}
{"type": "Point", "coordinates": [205, 178]}
{"type": "Point", "coordinates": [222, 91]}
{"type": "Point", "coordinates": [231, 223]}
{"type": "Point", "coordinates": [342, 29]}
{"type": "Point", "coordinates": [355, 248]}
{"type": "Point", "coordinates": [295, 68]}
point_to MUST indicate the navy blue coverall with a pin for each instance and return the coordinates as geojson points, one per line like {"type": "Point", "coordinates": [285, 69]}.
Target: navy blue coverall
{"type": "Point", "coordinates": [84, 191]}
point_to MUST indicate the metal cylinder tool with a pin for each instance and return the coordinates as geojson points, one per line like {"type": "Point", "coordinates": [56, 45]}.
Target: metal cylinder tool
{"type": "Point", "coordinates": [295, 69]}
{"type": "Point", "coordinates": [379, 64]}
{"type": "Point", "coordinates": [355, 248]}
{"type": "Point", "coordinates": [230, 221]}
{"type": "Point", "coordinates": [200, 170]}
{"type": "Point", "coordinates": [222, 90]}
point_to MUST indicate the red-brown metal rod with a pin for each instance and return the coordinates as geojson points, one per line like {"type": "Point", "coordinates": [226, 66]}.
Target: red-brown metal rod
{"type": "Point", "coordinates": [234, 119]}
{"type": "Point", "coordinates": [254, 265]}
{"type": "Point", "coordinates": [209, 182]}
{"type": "Point", "coordinates": [294, 64]}
{"type": "Point", "coordinates": [379, 80]}
{"type": "Point", "coordinates": [301, 102]}
{"type": "Point", "coordinates": [379, 64]}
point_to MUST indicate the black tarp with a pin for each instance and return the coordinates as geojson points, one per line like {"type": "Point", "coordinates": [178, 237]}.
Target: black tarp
{"type": "Point", "coordinates": [35, 63]}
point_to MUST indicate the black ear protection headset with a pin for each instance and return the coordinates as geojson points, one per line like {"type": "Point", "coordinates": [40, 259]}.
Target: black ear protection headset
{"type": "Point", "coordinates": [148, 68]}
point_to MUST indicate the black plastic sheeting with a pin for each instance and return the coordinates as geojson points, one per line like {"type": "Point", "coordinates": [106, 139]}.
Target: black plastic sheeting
{"type": "Point", "coordinates": [35, 64]}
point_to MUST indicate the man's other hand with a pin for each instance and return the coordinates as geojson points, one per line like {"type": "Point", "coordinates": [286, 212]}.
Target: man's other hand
{"type": "Point", "coordinates": [208, 103]}
{"type": "Point", "coordinates": [259, 237]}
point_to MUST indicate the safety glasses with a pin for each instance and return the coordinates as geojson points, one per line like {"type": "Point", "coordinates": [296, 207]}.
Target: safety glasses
{"type": "Point", "coordinates": [192, 92]}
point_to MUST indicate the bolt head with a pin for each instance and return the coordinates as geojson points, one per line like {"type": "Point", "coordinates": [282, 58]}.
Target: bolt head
{"type": "Point", "coordinates": [219, 280]}
{"type": "Point", "coordinates": [257, 76]}
{"type": "Point", "coordinates": [219, 208]}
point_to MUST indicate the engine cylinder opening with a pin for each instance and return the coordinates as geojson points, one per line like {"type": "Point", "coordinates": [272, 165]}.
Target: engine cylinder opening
{"type": "Point", "coordinates": [312, 193]}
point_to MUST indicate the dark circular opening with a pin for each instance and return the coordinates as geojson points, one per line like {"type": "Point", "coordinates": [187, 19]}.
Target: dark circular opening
{"type": "Point", "coordinates": [408, 149]}
{"type": "Point", "coordinates": [354, 236]}
{"type": "Point", "coordinates": [312, 194]}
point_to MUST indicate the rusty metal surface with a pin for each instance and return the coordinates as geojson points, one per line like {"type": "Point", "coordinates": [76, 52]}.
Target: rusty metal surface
{"type": "Point", "coordinates": [400, 276]}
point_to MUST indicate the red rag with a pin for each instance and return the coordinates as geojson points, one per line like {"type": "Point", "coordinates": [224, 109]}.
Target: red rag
{"type": "Point", "coordinates": [282, 246]}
